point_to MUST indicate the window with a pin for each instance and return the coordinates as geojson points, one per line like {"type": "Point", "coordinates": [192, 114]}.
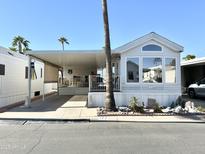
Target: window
{"type": "Point", "coordinates": [26, 72]}
{"type": "Point", "coordinates": [33, 73]}
{"type": "Point", "coordinates": [2, 69]}
{"type": "Point", "coordinates": [113, 68]}
{"type": "Point", "coordinates": [152, 70]}
{"type": "Point", "coordinates": [202, 81]}
{"type": "Point", "coordinates": [133, 70]}
{"type": "Point", "coordinates": [151, 47]}
{"type": "Point", "coordinates": [41, 72]}
{"type": "Point", "coordinates": [170, 70]}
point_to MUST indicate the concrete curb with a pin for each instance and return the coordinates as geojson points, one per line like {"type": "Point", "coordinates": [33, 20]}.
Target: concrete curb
{"type": "Point", "coordinates": [100, 120]}
{"type": "Point", "coordinates": [132, 121]}
{"type": "Point", "coordinates": [45, 119]}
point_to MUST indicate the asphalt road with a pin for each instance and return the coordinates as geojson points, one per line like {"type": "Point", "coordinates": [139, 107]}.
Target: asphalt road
{"type": "Point", "coordinates": [101, 138]}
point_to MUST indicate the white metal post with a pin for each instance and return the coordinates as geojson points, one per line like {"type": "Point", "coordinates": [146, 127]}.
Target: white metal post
{"type": "Point", "coordinates": [28, 100]}
{"type": "Point", "coordinates": [43, 97]}
{"type": "Point", "coordinates": [89, 82]}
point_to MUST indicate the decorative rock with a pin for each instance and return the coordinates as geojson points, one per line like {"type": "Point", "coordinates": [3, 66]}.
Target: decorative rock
{"type": "Point", "coordinates": [124, 109]}
{"type": "Point", "coordinates": [167, 110]}
{"type": "Point", "coordinates": [178, 109]}
{"type": "Point", "coordinates": [149, 110]}
{"type": "Point", "coordinates": [189, 107]}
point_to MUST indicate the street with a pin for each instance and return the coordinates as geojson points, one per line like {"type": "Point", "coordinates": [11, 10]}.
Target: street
{"type": "Point", "coordinates": [24, 137]}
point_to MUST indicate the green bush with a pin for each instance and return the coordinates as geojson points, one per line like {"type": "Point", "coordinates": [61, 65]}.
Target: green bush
{"type": "Point", "coordinates": [134, 105]}
{"type": "Point", "coordinates": [157, 108]}
{"type": "Point", "coordinates": [179, 102]}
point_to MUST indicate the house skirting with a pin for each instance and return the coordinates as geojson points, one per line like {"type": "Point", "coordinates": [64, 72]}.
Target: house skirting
{"type": "Point", "coordinates": [96, 99]}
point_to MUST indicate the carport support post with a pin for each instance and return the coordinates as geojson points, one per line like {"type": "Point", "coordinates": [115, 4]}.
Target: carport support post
{"type": "Point", "coordinates": [43, 97]}
{"type": "Point", "coordinates": [28, 101]}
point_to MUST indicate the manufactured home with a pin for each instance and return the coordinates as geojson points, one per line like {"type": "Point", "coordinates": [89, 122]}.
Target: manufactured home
{"type": "Point", "coordinates": [148, 67]}
{"type": "Point", "coordinates": [14, 78]}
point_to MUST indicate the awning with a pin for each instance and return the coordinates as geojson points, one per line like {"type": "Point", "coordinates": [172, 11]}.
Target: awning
{"type": "Point", "coordinates": [71, 58]}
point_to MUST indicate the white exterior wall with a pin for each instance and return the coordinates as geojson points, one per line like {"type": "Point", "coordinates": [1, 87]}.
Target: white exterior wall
{"type": "Point", "coordinates": [164, 93]}
{"type": "Point", "coordinates": [13, 85]}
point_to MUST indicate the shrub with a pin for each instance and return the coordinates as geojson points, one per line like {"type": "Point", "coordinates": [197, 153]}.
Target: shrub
{"type": "Point", "coordinates": [201, 109]}
{"type": "Point", "coordinates": [157, 108]}
{"type": "Point", "coordinates": [134, 105]}
{"type": "Point", "coordinates": [179, 102]}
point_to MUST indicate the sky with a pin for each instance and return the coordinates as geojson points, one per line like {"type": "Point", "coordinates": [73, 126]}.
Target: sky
{"type": "Point", "coordinates": [42, 22]}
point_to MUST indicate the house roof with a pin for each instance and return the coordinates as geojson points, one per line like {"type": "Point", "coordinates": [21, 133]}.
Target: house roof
{"type": "Point", "coordinates": [96, 57]}
{"type": "Point", "coordinates": [196, 61]}
{"type": "Point", "coordinates": [150, 36]}
{"type": "Point", "coordinates": [8, 52]}
{"type": "Point", "coordinates": [61, 58]}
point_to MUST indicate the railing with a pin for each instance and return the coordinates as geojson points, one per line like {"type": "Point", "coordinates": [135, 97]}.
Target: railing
{"type": "Point", "coordinates": [97, 83]}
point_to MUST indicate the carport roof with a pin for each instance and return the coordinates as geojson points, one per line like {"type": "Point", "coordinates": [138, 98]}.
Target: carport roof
{"type": "Point", "coordinates": [71, 57]}
{"type": "Point", "coordinates": [196, 61]}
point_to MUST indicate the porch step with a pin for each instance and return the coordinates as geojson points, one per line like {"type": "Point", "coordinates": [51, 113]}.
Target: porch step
{"type": "Point", "coordinates": [76, 101]}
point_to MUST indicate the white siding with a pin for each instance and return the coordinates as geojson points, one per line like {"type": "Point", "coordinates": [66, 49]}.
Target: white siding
{"type": "Point", "coordinates": [13, 85]}
{"type": "Point", "coordinates": [150, 87]}
{"type": "Point", "coordinates": [163, 92]}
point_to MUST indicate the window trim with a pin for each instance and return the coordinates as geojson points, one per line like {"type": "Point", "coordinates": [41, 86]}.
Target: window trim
{"type": "Point", "coordinates": [165, 70]}
{"type": "Point", "coordinates": [151, 51]}
{"type": "Point", "coordinates": [135, 83]}
{"type": "Point", "coordinates": [147, 83]}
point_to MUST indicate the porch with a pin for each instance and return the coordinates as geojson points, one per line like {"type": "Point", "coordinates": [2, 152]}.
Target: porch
{"type": "Point", "coordinates": [78, 72]}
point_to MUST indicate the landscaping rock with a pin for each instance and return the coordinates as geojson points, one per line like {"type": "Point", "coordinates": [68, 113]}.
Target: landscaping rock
{"type": "Point", "coordinates": [148, 110]}
{"type": "Point", "coordinates": [178, 109]}
{"type": "Point", "coordinates": [189, 107]}
{"type": "Point", "coordinates": [167, 110]}
{"type": "Point", "coordinates": [124, 109]}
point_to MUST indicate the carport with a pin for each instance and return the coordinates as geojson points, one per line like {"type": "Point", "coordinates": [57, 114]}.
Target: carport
{"type": "Point", "coordinates": [70, 69]}
{"type": "Point", "coordinates": [192, 71]}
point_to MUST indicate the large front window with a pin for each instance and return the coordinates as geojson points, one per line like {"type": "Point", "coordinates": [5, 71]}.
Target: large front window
{"type": "Point", "coordinates": [170, 70]}
{"type": "Point", "coordinates": [152, 70]}
{"type": "Point", "coordinates": [132, 70]}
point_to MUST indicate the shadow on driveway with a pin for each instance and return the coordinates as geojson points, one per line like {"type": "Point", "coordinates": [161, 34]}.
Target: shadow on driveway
{"type": "Point", "coordinates": [51, 103]}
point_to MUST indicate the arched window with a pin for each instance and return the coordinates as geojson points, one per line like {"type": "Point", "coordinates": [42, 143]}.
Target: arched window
{"type": "Point", "coordinates": [151, 47]}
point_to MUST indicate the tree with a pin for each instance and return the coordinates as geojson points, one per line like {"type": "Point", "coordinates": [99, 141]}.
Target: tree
{"type": "Point", "coordinates": [20, 44]}
{"type": "Point", "coordinates": [13, 49]}
{"type": "Point", "coordinates": [189, 57]}
{"type": "Point", "coordinates": [63, 40]}
{"type": "Point", "coordinates": [109, 97]}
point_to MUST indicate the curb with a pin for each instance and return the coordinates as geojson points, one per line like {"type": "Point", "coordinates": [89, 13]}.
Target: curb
{"type": "Point", "coordinates": [34, 119]}
{"type": "Point", "coordinates": [98, 120]}
{"type": "Point", "coordinates": [132, 121]}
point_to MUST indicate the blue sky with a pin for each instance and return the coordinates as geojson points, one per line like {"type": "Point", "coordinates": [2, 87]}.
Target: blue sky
{"type": "Point", "coordinates": [43, 21]}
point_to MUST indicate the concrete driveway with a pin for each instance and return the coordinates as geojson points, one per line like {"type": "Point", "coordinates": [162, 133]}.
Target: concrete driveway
{"type": "Point", "coordinates": [54, 107]}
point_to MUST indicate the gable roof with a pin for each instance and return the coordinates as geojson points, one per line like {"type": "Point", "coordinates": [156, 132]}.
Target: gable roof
{"type": "Point", "coordinates": [151, 36]}
{"type": "Point", "coordinates": [8, 52]}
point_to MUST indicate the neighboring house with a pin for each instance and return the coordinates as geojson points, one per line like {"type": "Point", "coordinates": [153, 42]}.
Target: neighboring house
{"type": "Point", "coordinates": [14, 78]}
{"type": "Point", "coordinates": [148, 67]}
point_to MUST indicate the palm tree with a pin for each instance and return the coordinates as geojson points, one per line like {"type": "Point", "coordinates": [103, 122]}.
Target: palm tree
{"type": "Point", "coordinates": [109, 100]}
{"type": "Point", "coordinates": [20, 44]}
{"type": "Point", "coordinates": [63, 40]}
{"type": "Point", "coordinates": [189, 57]}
